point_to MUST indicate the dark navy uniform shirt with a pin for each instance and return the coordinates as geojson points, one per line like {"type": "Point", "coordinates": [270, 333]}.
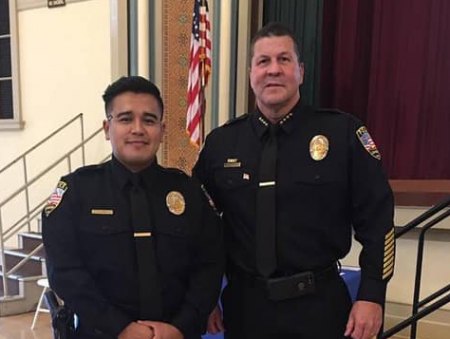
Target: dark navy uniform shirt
{"type": "Point", "coordinates": [91, 256]}
{"type": "Point", "coordinates": [317, 201]}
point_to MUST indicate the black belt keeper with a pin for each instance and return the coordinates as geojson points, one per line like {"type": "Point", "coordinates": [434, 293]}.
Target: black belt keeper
{"type": "Point", "coordinates": [288, 286]}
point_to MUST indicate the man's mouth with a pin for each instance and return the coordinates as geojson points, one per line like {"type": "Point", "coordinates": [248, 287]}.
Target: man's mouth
{"type": "Point", "coordinates": [137, 142]}
{"type": "Point", "coordinates": [273, 85]}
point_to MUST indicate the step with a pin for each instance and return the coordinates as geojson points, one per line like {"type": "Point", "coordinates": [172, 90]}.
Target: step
{"type": "Point", "coordinates": [33, 267]}
{"type": "Point", "coordinates": [25, 301]}
{"type": "Point", "coordinates": [30, 240]}
{"type": "Point", "coordinates": [13, 286]}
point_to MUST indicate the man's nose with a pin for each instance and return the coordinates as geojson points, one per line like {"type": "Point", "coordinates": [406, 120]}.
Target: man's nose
{"type": "Point", "coordinates": [137, 125]}
{"type": "Point", "coordinates": [274, 67]}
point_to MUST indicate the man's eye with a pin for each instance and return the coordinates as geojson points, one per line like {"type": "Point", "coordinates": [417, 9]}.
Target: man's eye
{"type": "Point", "coordinates": [262, 62]}
{"type": "Point", "coordinates": [125, 119]}
{"type": "Point", "coordinates": [149, 121]}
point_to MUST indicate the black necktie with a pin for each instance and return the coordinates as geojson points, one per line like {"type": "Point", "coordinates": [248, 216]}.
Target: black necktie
{"type": "Point", "coordinates": [266, 260]}
{"type": "Point", "coordinates": [149, 286]}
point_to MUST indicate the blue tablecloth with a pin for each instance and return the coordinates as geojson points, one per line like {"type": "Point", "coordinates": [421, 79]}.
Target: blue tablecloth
{"type": "Point", "coordinates": [351, 276]}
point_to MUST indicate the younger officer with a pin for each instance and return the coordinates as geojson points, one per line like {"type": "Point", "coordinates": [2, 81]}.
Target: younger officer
{"type": "Point", "coordinates": [133, 248]}
{"type": "Point", "coordinates": [291, 182]}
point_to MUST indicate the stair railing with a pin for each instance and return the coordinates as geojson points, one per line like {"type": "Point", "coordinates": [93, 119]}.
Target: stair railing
{"type": "Point", "coordinates": [23, 158]}
{"type": "Point", "coordinates": [33, 213]}
{"type": "Point", "coordinates": [419, 310]}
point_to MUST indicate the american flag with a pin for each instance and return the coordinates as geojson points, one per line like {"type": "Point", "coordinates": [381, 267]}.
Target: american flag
{"type": "Point", "coordinates": [199, 70]}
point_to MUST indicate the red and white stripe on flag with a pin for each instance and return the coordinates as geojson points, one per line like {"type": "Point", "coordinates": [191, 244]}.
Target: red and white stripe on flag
{"type": "Point", "coordinates": [199, 70]}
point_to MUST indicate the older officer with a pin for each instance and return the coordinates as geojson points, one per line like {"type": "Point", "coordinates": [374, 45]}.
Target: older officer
{"type": "Point", "coordinates": [133, 248]}
{"type": "Point", "coordinates": [291, 182]}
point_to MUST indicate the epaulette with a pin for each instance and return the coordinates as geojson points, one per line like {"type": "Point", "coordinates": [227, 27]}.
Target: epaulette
{"type": "Point", "coordinates": [173, 170]}
{"type": "Point", "coordinates": [89, 168]}
{"type": "Point", "coordinates": [232, 121]}
{"type": "Point", "coordinates": [330, 110]}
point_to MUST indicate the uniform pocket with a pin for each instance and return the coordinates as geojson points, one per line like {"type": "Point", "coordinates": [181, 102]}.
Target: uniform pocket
{"type": "Point", "coordinates": [232, 178]}
{"type": "Point", "coordinates": [102, 225]}
{"type": "Point", "coordinates": [177, 230]}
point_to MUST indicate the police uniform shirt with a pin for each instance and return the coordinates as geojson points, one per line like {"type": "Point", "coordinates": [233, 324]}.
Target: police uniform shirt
{"type": "Point", "coordinates": [91, 255]}
{"type": "Point", "coordinates": [329, 178]}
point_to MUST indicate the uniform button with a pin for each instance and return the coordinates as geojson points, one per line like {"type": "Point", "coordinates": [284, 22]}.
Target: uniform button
{"type": "Point", "coordinates": [317, 177]}
{"type": "Point", "coordinates": [301, 286]}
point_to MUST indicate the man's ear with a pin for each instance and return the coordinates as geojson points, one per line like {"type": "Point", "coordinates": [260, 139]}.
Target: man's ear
{"type": "Point", "coordinates": [106, 129]}
{"type": "Point", "coordinates": [163, 131]}
{"type": "Point", "coordinates": [302, 72]}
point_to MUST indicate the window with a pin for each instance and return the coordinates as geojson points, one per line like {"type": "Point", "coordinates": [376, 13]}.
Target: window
{"type": "Point", "coordinates": [9, 74]}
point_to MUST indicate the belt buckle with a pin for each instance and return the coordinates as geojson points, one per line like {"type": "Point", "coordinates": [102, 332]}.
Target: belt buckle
{"type": "Point", "coordinates": [291, 287]}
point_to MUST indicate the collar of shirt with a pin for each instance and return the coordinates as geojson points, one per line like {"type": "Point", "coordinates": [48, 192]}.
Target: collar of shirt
{"type": "Point", "coordinates": [122, 175]}
{"type": "Point", "coordinates": [261, 123]}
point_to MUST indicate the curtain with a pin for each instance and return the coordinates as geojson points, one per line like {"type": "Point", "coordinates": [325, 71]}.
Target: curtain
{"type": "Point", "coordinates": [304, 18]}
{"type": "Point", "coordinates": [388, 62]}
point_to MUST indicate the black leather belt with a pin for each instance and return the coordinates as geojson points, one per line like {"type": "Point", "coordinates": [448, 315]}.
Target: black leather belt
{"type": "Point", "coordinates": [288, 286]}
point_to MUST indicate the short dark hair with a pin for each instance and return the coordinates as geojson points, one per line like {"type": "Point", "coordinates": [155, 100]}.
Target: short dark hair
{"type": "Point", "coordinates": [274, 29]}
{"type": "Point", "coordinates": [135, 84]}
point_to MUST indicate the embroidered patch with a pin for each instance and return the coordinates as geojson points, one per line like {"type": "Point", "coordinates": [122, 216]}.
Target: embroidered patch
{"type": "Point", "coordinates": [367, 142]}
{"type": "Point", "coordinates": [55, 198]}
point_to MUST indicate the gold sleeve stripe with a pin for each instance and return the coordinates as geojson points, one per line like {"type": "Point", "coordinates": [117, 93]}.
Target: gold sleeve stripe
{"type": "Point", "coordinates": [388, 263]}
{"type": "Point", "coordinates": [388, 274]}
{"type": "Point", "coordinates": [388, 239]}
{"type": "Point", "coordinates": [389, 242]}
{"type": "Point", "coordinates": [390, 233]}
{"type": "Point", "coordinates": [389, 247]}
{"type": "Point", "coordinates": [388, 268]}
{"type": "Point", "coordinates": [389, 252]}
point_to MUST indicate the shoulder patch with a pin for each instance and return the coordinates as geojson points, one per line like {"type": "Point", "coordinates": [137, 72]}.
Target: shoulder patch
{"type": "Point", "coordinates": [242, 117]}
{"type": "Point", "coordinates": [56, 197]}
{"type": "Point", "coordinates": [368, 143]}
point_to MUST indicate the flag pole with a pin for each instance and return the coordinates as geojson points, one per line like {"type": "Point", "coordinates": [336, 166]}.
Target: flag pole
{"type": "Point", "coordinates": [203, 97]}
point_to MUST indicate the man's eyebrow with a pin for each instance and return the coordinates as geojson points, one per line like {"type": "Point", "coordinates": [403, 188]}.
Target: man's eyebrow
{"type": "Point", "coordinates": [123, 113]}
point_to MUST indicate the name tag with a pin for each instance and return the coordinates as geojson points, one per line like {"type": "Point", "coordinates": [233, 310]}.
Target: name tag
{"type": "Point", "coordinates": [102, 212]}
{"type": "Point", "coordinates": [232, 164]}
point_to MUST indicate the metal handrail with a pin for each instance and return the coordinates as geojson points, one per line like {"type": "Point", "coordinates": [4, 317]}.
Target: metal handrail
{"type": "Point", "coordinates": [48, 168]}
{"type": "Point", "coordinates": [415, 318]}
{"type": "Point", "coordinates": [19, 224]}
{"type": "Point", "coordinates": [423, 217]}
{"type": "Point", "coordinates": [79, 116]}
{"type": "Point", "coordinates": [24, 260]}
{"type": "Point", "coordinates": [32, 213]}
{"type": "Point", "coordinates": [416, 314]}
